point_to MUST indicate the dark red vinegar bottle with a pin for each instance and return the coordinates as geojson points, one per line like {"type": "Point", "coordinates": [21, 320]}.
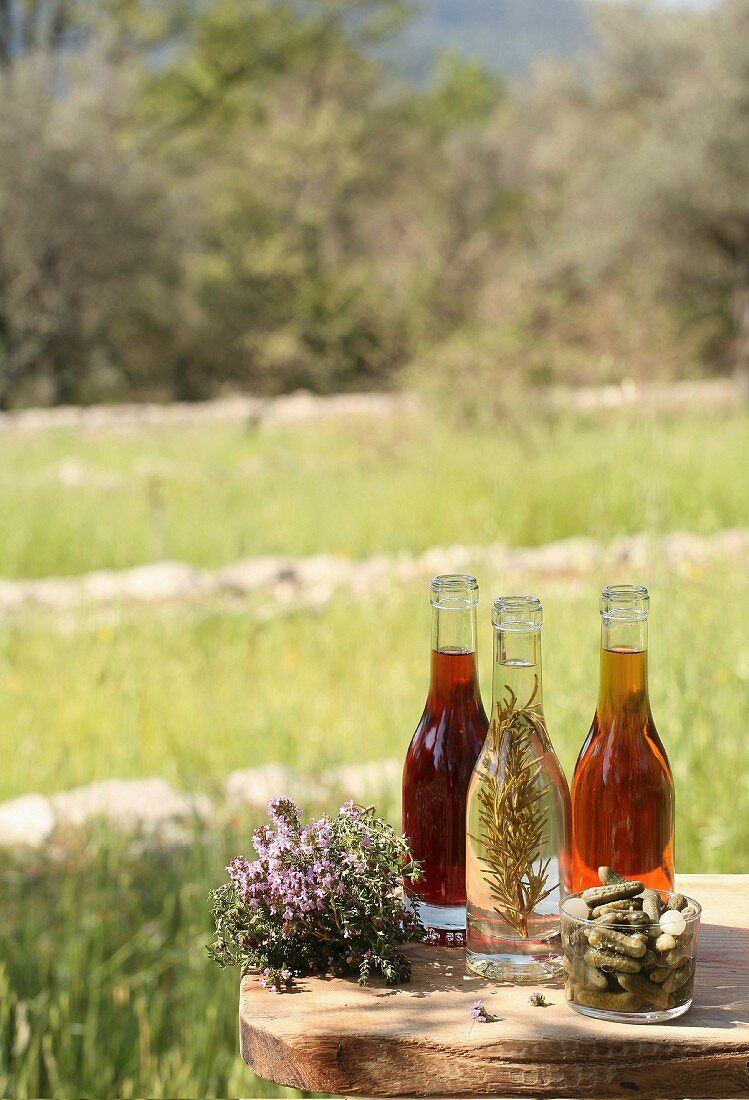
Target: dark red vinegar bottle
{"type": "Point", "coordinates": [439, 762]}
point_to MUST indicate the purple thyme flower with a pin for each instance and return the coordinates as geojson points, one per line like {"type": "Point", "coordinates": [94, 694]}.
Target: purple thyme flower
{"type": "Point", "coordinates": [350, 809]}
{"type": "Point", "coordinates": [477, 1012]}
{"type": "Point", "coordinates": [317, 897]}
{"type": "Point", "coordinates": [538, 1000]}
{"type": "Point", "coordinates": [285, 813]}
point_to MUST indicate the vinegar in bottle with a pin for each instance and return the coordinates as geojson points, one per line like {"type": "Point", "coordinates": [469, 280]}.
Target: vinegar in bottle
{"type": "Point", "coordinates": [440, 760]}
{"type": "Point", "coordinates": [622, 790]}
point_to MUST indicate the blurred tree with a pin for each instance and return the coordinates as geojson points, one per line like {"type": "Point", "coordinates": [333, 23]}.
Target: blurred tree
{"type": "Point", "coordinates": [41, 27]}
{"type": "Point", "coordinates": [84, 261]}
{"type": "Point", "coordinates": [203, 193]}
{"type": "Point", "coordinates": [639, 171]}
{"type": "Point", "coordinates": [320, 187]}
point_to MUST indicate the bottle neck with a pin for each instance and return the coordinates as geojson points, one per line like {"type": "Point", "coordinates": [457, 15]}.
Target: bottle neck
{"type": "Point", "coordinates": [454, 629]}
{"type": "Point", "coordinates": [454, 671]}
{"type": "Point", "coordinates": [624, 668]}
{"type": "Point", "coordinates": [517, 668]}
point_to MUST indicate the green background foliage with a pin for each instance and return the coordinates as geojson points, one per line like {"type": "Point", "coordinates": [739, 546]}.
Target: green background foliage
{"type": "Point", "coordinates": [259, 194]}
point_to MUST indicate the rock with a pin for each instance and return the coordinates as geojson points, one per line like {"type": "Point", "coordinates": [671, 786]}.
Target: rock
{"type": "Point", "coordinates": [55, 593]}
{"type": "Point", "coordinates": [567, 556]}
{"type": "Point", "coordinates": [448, 559]}
{"type": "Point", "coordinates": [297, 407]}
{"type": "Point", "coordinates": [148, 806]}
{"type": "Point", "coordinates": [313, 581]}
{"type": "Point", "coordinates": [369, 781]}
{"type": "Point", "coordinates": [253, 574]}
{"type": "Point", "coordinates": [11, 595]}
{"type": "Point", "coordinates": [255, 787]}
{"type": "Point", "coordinates": [366, 782]}
{"type": "Point", "coordinates": [163, 580]}
{"type": "Point", "coordinates": [287, 409]}
{"type": "Point", "coordinates": [26, 821]}
{"type": "Point", "coordinates": [72, 474]}
{"type": "Point", "coordinates": [318, 577]}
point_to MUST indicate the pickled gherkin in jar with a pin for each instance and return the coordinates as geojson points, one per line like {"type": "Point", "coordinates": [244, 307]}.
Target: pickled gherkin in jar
{"type": "Point", "coordinates": [619, 970]}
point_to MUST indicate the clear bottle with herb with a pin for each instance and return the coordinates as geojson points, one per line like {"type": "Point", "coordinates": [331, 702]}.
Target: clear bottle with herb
{"type": "Point", "coordinates": [518, 815]}
{"type": "Point", "coordinates": [440, 760]}
{"type": "Point", "coordinates": [622, 790]}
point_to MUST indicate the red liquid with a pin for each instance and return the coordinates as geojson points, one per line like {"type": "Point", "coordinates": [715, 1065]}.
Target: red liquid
{"type": "Point", "coordinates": [622, 791]}
{"type": "Point", "coordinates": [436, 774]}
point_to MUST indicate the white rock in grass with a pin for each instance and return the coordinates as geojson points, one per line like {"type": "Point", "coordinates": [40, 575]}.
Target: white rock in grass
{"type": "Point", "coordinates": [254, 574]}
{"type": "Point", "coordinates": [361, 782]}
{"type": "Point", "coordinates": [11, 595]}
{"type": "Point", "coordinates": [26, 821]}
{"type": "Point", "coordinates": [255, 787]}
{"type": "Point", "coordinates": [364, 782]}
{"type": "Point", "coordinates": [132, 805]}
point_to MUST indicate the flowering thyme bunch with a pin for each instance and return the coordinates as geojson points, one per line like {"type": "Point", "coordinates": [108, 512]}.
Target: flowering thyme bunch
{"type": "Point", "coordinates": [320, 898]}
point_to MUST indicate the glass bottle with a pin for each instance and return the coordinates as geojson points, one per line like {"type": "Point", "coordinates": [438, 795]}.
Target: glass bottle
{"type": "Point", "coordinates": [622, 790]}
{"type": "Point", "coordinates": [518, 815]}
{"type": "Point", "coordinates": [439, 762]}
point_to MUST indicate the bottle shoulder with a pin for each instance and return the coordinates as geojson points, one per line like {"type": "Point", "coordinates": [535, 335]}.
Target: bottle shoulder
{"type": "Point", "coordinates": [636, 743]}
{"type": "Point", "coordinates": [451, 731]}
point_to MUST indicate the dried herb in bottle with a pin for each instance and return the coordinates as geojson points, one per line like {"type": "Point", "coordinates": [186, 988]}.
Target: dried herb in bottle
{"type": "Point", "coordinates": [518, 815]}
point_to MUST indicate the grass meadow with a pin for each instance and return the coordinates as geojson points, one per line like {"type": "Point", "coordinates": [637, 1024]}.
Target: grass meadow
{"type": "Point", "coordinates": [73, 502]}
{"type": "Point", "coordinates": [104, 985]}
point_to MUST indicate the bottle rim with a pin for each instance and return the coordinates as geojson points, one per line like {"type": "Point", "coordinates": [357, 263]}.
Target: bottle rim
{"type": "Point", "coordinates": [454, 591]}
{"type": "Point", "coordinates": [517, 614]}
{"type": "Point", "coordinates": [625, 602]}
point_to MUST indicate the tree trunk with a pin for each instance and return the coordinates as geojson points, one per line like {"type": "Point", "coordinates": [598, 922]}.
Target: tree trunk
{"type": "Point", "coordinates": [741, 354]}
{"type": "Point", "coordinates": [6, 33]}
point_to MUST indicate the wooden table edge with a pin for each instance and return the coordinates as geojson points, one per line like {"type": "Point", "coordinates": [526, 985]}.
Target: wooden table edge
{"type": "Point", "coordinates": [637, 1062]}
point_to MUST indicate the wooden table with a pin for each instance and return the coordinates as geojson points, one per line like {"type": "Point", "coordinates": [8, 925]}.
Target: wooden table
{"type": "Point", "coordinates": [334, 1037]}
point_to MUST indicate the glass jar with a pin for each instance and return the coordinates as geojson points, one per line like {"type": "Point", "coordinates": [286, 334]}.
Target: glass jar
{"type": "Point", "coordinates": [518, 815]}
{"type": "Point", "coordinates": [640, 983]}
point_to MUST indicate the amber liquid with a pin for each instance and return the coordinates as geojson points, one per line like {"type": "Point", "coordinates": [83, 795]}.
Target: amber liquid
{"type": "Point", "coordinates": [622, 791]}
{"type": "Point", "coordinates": [436, 775]}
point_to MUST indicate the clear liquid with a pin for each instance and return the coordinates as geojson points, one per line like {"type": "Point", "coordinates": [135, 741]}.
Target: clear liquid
{"type": "Point", "coordinates": [495, 949]}
{"type": "Point", "coordinates": [527, 948]}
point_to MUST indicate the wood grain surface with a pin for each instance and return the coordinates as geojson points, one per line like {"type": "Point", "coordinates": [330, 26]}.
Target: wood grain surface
{"type": "Point", "coordinates": [334, 1037]}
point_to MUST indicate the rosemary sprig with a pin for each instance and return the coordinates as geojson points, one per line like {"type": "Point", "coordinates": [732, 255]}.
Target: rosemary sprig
{"type": "Point", "coordinates": [513, 815]}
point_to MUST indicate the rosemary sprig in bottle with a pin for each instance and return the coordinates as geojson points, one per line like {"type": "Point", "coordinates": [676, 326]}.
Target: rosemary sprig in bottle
{"type": "Point", "coordinates": [513, 815]}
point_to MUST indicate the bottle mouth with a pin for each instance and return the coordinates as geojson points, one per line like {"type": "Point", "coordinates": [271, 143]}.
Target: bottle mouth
{"type": "Point", "coordinates": [517, 614]}
{"type": "Point", "coordinates": [454, 592]}
{"type": "Point", "coordinates": [628, 603]}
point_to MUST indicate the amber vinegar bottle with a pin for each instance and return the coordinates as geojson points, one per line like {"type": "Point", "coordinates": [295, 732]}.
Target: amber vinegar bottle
{"type": "Point", "coordinates": [439, 762]}
{"type": "Point", "coordinates": [622, 790]}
